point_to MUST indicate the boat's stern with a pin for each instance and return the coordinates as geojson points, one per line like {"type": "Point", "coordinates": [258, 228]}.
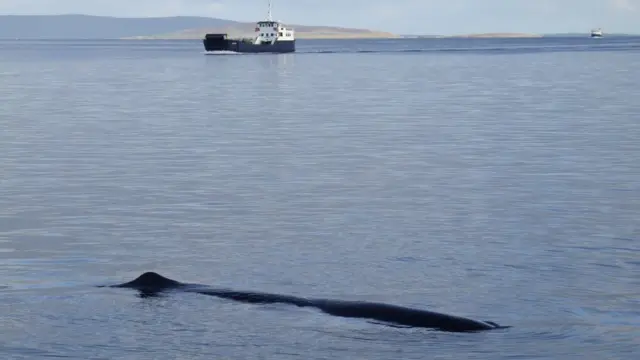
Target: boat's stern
{"type": "Point", "coordinates": [215, 42]}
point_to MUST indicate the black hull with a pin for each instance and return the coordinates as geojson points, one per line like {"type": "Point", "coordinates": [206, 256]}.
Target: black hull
{"type": "Point", "coordinates": [220, 42]}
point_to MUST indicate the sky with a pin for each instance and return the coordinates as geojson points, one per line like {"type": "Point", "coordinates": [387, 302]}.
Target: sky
{"type": "Point", "coordinates": [444, 17]}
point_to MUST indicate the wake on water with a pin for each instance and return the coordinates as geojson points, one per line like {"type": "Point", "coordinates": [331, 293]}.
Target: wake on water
{"type": "Point", "coordinates": [221, 52]}
{"type": "Point", "coordinates": [487, 49]}
{"type": "Point", "coordinates": [495, 49]}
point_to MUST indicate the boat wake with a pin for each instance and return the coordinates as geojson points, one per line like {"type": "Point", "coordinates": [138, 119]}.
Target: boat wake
{"type": "Point", "coordinates": [221, 52]}
{"type": "Point", "coordinates": [486, 50]}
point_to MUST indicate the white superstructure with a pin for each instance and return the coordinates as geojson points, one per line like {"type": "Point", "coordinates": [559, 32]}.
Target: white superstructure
{"type": "Point", "coordinates": [270, 31]}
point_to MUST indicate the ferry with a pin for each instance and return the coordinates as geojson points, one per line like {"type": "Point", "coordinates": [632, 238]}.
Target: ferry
{"type": "Point", "coordinates": [271, 37]}
{"type": "Point", "coordinates": [596, 33]}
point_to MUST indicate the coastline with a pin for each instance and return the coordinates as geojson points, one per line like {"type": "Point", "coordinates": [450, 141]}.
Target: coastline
{"type": "Point", "coordinates": [329, 35]}
{"type": "Point", "coordinates": [79, 26]}
{"type": "Point", "coordinates": [482, 36]}
{"type": "Point", "coordinates": [497, 36]}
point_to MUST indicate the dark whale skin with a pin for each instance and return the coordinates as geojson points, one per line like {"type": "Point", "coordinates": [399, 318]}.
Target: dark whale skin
{"type": "Point", "coordinates": [152, 284]}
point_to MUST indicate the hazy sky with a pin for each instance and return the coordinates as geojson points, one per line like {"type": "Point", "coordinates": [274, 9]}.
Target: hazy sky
{"type": "Point", "coordinates": [399, 16]}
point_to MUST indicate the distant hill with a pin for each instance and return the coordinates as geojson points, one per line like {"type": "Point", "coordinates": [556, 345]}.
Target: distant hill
{"type": "Point", "coordinates": [497, 35]}
{"type": "Point", "coordinates": [96, 27]}
{"type": "Point", "coordinates": [247, 30]}
{"type": "Point", "coordinates": [187, 27]}
{"type": "Point", "coordinates": [179, 27]}
{"type": "Point", "coordinates": [481, 36]}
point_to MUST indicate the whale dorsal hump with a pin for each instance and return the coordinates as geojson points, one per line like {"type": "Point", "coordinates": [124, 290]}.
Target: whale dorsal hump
{"type": "Point", "coordinates": [151, 280]}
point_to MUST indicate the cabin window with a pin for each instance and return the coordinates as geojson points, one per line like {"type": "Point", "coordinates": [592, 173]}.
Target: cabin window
{"type": "Point", "coordinates": [280, 34]}
{"type": "Point", "coordinates": [288, 34]}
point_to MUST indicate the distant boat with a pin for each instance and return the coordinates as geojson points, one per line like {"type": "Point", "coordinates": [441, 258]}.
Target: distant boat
{"type": "Point", "coordinates": [271, 37]}
{"type": "Point", "coordinates": [596, 33]}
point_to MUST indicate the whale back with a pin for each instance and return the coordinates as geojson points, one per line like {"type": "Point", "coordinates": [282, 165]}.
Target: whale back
{"type": "Point", "coordinates": [151, 281]}
{"type": "Point", "coordinates": [151, 284]}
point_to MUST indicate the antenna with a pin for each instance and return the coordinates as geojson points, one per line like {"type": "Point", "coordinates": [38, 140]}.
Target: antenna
{"type": "Point", "coordinates": [269, 16]}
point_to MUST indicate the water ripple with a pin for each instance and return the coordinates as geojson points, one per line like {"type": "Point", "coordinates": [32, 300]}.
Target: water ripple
{"type": "Point", "coordinates": [503, 188]}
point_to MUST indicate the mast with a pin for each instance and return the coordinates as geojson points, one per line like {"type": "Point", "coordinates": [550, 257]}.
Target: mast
{"type": "Point", "coordinates": [269, 14]}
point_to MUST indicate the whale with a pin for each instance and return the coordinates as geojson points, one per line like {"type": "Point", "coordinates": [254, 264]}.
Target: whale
{"type": "Point", "coordinates": [151, 284]}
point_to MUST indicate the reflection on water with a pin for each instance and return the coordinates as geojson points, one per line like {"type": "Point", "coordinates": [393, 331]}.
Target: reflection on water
{"type": "Point", "coordinates": [495, 184]}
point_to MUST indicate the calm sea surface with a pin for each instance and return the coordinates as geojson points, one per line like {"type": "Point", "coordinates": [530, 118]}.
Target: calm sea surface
{"type": "Point", "coordinates": [494, 179]}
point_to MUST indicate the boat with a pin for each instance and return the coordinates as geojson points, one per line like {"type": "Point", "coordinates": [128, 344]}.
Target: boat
{"type": "Point", "coordinates": [271, 37]}
{"type": "Point", "coordinates": [596, 33]}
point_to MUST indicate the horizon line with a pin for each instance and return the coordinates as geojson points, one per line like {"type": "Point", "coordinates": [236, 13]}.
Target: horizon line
{"type": "Point", "coordinates": [343, 26]}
